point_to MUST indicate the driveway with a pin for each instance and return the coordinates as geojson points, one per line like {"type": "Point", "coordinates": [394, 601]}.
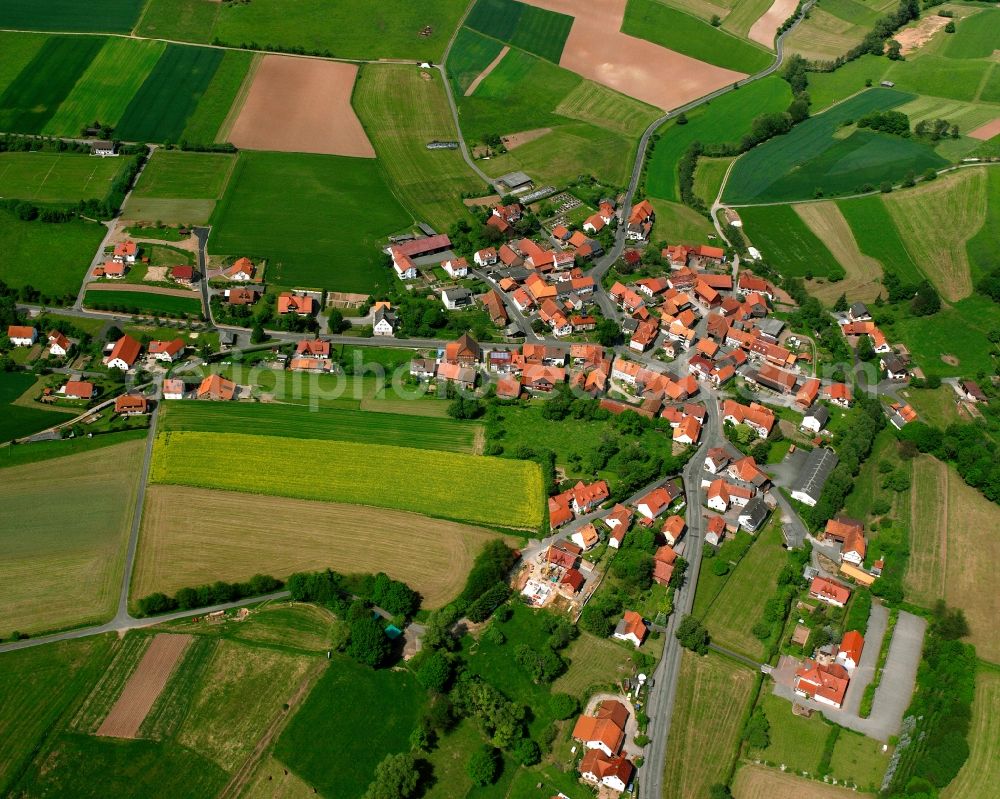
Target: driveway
{"type": "Point", "coordinates": [878, 620]}
{"type": "Point", "coordinates": [894, 692]}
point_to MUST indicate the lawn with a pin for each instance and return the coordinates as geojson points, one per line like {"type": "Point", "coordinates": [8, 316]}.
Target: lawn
{"type": "Point", "coordinates": [877, 237]}
{"type": "Point", "coordinates": [105, 89]}
{"type": "Point", "coordinates": [721, 120]}
{"type": "Point", "coordinates": [959, 331]}
{"type": "Point", "coordinates": [338, 424]}
{"type": "Point", "coordinates": [36, 687]}
{"type": "Point", "coordinates": [61, 561]}
{"type": "Point", "coordinates": [935, 406]}
{"type": "Point", "coordinates": [975, 37]}
{"type": "Point", "coordinates": [189, 538]}
{"type": "Point", "coordinates": [958, 203]}
{"type": "Point", "coordinates": [401, 113]}
{"type": "Point", "coordinates": [683, 33]}
{"type": "Point", "coordinates": [787, 242]}
{"type": "Point", "coordinates": [761, 782]}
{"type": "Point", "coordinates": [18, 420]}
{"type": "Point", "coordinates": [533, 29]}
{"type": "Point", "coordinates": [388, 29]}
{"type": "Point", "coordinates": [826, 88]}
{"type": "Point", "coordinates": [240, 695]}
{"type": "Point", "coordinates": [69, 248]}
{"type": "Point", "coordinates": [183, 20]}
{"type": "Point", "coordinates": [48, 177]}
{"type": "Point", "coordinates": [295, 625]}
{"type": "Point", "coordinates": [321, 743]}
{"type": "Point", "coordinates": [679, 224]}
{"type": "Point", "coordinates": [740, 603]}
{"type": "Point", "coordinates": [85, 767]}
{"type": "Point", "coordinates": [796, 742]}
{"type": "Point", "coordinates": [116, 16]}
{"type": "Point", "coordinates": [144, 302]}
{"type": "Point", "coordinates": [271, 210]}
{"type": "Point", "coordinates": [860, 760]}
{"type": "Point", "coordinates": [205, 124]}
{"type": "Point", "coordinates": [950, 558]}
{"type": "Point", "coordinates": [940, 77]}
{"type": "Point", "coordinates": [606, 108]}
{"type": "Point", "coordinates": [713, 693]}
{"type": "Point", "coordinates": [711, 584]}
{"type": "Point", "coordinates": [708, 177]}
{"type": "Point", "coordinates": [32, 98]}
{"type": "Point", "coordinates": [592, 662]}
{"type": "Point", "coordinates": [978, 777]}
{"type": "Point", "coordinates": [160, 109]}
{"type": "Point", "coordinates": [984, 248]}
{"type": "Point", "coordinates": [366, 474]}
{"type": "Point", "coordinates": [811, 161]}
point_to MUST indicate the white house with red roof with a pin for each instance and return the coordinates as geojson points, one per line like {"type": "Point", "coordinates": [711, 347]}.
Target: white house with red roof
{"type": "Point", "coordinates": [241, 271]}
{"type": "Point", "coordinates": [124, 353]}
{"type": "Point", "coordinates": [657, 501]}
{"type": "Point", "coordinates": [59, 345]}
{"type": "Point", "coordinates": [126, 252]}
{"type": "Point", "coordinates": [456, 268]}
{"type": "Point", "coordinates": [631, 628]}
{"type": "Point", "coordinates": [485, 257]}
{"type": "Point", "coordinates": [612, 772]}
{"type": "Point", "coordinates": [826, 684]}
{"type": "Point", "coordinates": [830, 592]}
{"type": "Point", "coordinates": [22, 335]}
{"type": "Point", "coordinates": [851, 647]}
{"type": "Point", "coordinates": [166, 351]}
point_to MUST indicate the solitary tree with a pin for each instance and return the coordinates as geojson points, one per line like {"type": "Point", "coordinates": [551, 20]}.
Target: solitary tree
{"type": "Point", "coordinates": [396, 777]}
{"type": "Point", "coordinates": [483, 767]}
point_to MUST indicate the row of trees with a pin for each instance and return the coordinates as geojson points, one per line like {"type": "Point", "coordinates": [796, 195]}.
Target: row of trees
{"type": "Point", "coordinates": [203, 596]}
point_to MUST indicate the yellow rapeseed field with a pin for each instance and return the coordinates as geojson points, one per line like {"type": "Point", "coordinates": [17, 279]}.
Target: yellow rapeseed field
{"type": "Point", "coordinates": [494, 491]}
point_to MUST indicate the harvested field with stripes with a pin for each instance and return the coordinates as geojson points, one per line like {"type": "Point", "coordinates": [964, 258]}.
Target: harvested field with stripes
{"type": "Point", "coordinates": [192, 536]}
{"type": "Point", "coordinates": [863, 272]}
{"type": "Point", "coordinates": [144, 686]}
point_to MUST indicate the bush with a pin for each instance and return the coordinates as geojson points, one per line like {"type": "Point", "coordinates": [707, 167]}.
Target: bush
{"type": "Point", "coordinates": [693, 635]}
{"type": "Point", "coordinates": [490, 567]}
{"type": "Point", "coordinates": [720, 568]}
{"type": "Point", "coordinates": [483, 767]}
{"type": "Point", "coordinates": [435, 672]}
{"type": "Point", "coordinates": [758, 730]}
{"type": "Point", "coordinates": [482, 608]}
{"type": "Point", "coordinates": [563, 705]}
{"type": "Point", "coordinates": [527, 752]}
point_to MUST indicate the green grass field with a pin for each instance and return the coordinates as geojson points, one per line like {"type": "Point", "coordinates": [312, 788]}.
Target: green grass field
{"type": "Point", "coordinates": [983, 249]}
{"type": "Point", "coordinates": [941, 77]}
{"type": "Point", "coordinates": [786, 241]}
{"type": "Point", "coordinates": [388, 29]}
{"type": "Point", "coordinates": [722, 120]}
{"type": "Point", "coordinates": [271, 209]}
{"type": "Point", "coordinates": [533, 29]}
{"type": "Point", "coordinates": [32, 98]}
{"type": "Point", "coordinates": [382, 476]}
{"type": "Point", "coordinates": [241, 693]}
{"type": "Point", "coordinates": [99, 701]}
{"type": "Point", "coordinates": [712, 695]}
{"type": "Point", "coordinates": [827, 88]}
{"type": "Point", "coordinates": [683, 33]}
{"type": "Point", "coordinates": [18, 50]}
{"type": "Point", "coordinates": [877, 236]}
{"type": "Point", "coordinates": [736, 609]}
{"type": "Point", "coordinates": [859, 759]}
{"type": "Point", "coordinates": [180, 187]}
{"type": "Point", "coordinates": [160, 109]}
{"type": "Point", "coordinates": [143, 302]}
{"type": "Point", "coordinates": [36, 688]}
{"type": "Point", "coordinates": [975, 37]}
{"type": "Point", "coordinates": [105, 89]}
{"type": "Point", "coordinates": [61, 561]}
{"type": "Point", "coordinates": [605, 108]}
{"type": "Point", "coordinates": [470, 54]}
{"type": "Point", "coordinates": [835, 27]}
{"type": "Point", "coordinates": [204, 125]}
{"type": "Point", "coordinates": [960, 331]}
{"type": "Point", "coordinates": [676, 223]}
{"type": "Point", "coordinates": [708, 177]}
{"type": "Point", "coordinates": [811, 160]}
{"type": "Point", "coordinates": [116, 16]}
{"type": "Point", "coordinates": [183, 20]}
{"type": "Point", "coordinates": [47, 450]}
{"type": "Point", "coordinates": [321, 743]}
{"type": "Point", "coordinates": [69, 248]}
{"type": "Point", "coordinates": [797, 742]}
{"type": "Point", "coordinates": [336, 424]}
{"type": "Point", "coordinates": [401, 112]}
{"type": "Point", "coordinates": [18, 420]}
{"type": "Point", "coordinates": [56, 177]}
{"type": "Point", "coordinates": [88, 767]}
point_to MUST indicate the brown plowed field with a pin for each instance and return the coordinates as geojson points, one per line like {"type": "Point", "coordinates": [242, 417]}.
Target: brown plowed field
{"type": "Point", "coordinates": [987, 131]}
{"type": "Point", "coordinates": [764, 29]}
{"type": "Point", "coordinates": [301, 105]}
{"type": "Point", "coordinates": [144, 686]}
{"type": "Point", "coordinates": [192, 536]}
{"type": "Point", "coordinates": [597, 49]}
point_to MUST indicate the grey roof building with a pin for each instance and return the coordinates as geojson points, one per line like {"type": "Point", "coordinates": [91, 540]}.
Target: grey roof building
{"type": "Point", "coordinates": [819, 465]}
{"type": "Point", "coordinates": [753, 515]}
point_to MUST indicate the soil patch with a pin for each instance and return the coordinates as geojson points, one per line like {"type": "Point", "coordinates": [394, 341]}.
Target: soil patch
{"type": "Point", "coordinates": [480, 202]}
{"type": "Point", "coordinates": [514, 140]}
{"type": "Point", "coordinates": [951, 360]}
{"type": "Point", "coordinates": [765, 28]}
{"type": "Point", "coordinates": [144, 686]}
{"type": "Point", "coordinates": [986, 132]}
{"type": "Point", "coordinates": [156, 274]}
{"type": "Point", "coordinates": [863, 272]}
{"type": "Point", "coordinates": [486, 72]}
{"type": "Point", "coordinates": [301, 105]}
{"type": "Point", "coordinates": [759, 782]}
{"type": "Point", "coordinates": [914, 38]}
{"type": "Point", "coordinates": [596, 49]}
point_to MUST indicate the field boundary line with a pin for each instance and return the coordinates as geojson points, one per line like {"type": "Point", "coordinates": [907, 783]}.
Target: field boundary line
{"type": "Point", "coordinates": [222, 134]}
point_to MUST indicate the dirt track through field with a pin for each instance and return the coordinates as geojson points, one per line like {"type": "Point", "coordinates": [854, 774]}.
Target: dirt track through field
{"type": "Point", "coordinates": [766, 27]}
{"type": "Point", "coordinates": [863, 272]}
{"type": "Point", "coordinates": [914, 38]}
{"type": "Point", "coordinates": [987, 131]}
{"type": "Point", "coordinates": [301, 105]}
{"type": "Point", "coordinates": [144, 686]}
{"type": "Point", "coordinates": [486, 72]}
{"type": "Point", "coordinates": [596, 49]}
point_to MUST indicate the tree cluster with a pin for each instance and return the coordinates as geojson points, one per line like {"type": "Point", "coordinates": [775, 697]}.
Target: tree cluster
{"type": "Point", "coordinates": [974, 455]}
{"type": "Point", "coordinates": [202, 596]}
{"type": "Point", "coordinates": [693, 635]}
{"type": "Point", "coordinates": [894, 122]}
